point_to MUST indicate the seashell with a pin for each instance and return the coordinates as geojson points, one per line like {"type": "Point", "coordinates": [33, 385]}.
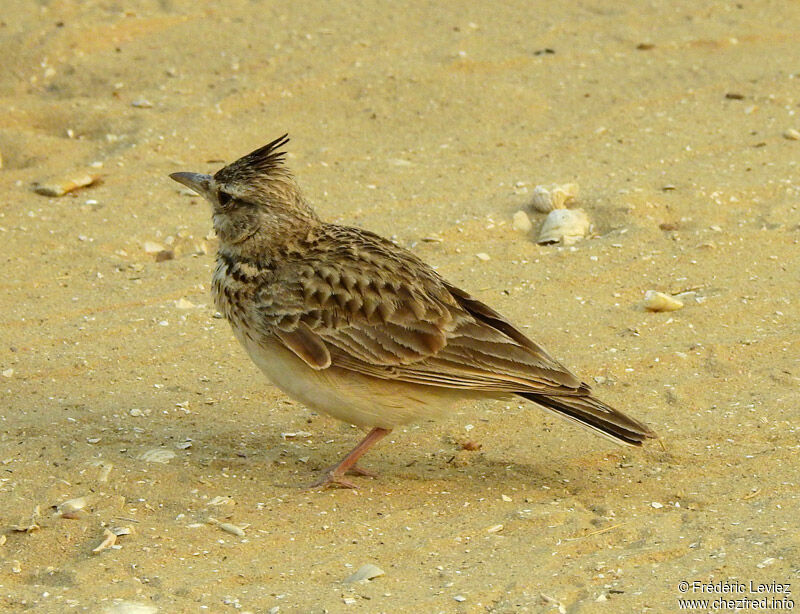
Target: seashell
{"type": "Point", "coordinates": [364, 573]}
{"type": "Point", "coordinates": [564, 225]}
{"type": "Point", "coordinates": [71, 508]}
{"type": "Point", "coordinates": [521, 222]}
{"type": "Point", "coordinates": [792, 134]}
{"type": "Point", "coordinates": [658, 301]}
{"type": "Point", "coordinates": [546, 198]}
{"type": "Point", "coordinates": [65, 185]}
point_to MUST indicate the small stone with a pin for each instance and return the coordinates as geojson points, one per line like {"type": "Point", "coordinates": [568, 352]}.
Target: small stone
{"type": "Point", "coordinates": [142, 103]}
{"type": "Point", "coordinates": [506, 498]}
{"type": "Point", "coordinates": [521, 222]}
{"type": "Point", "coordinates": [495, 528]}
{"type": "Point", "coordinates": [483, 256]}
{"type": "Point", "coordinates": [182, 303]}
{"type": "Point", "coordinates": [656, 505]}
{"type": "Point", "coordinates": [164, 255]}
{"type": "Point", "coordinates": [348, 601]}
{"type": "Point", "coordinates": [792, 134]}
{"type": "Point", "coordinates": [460, 598]}
{"type": "Point", "coordinates": [136, 412]}
{"type": "Point", "coordinates": [8, 373]}
{"type": "Point", "coordinates": [151, 247]}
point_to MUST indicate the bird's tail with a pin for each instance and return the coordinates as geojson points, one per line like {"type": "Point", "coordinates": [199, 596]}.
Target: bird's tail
{"type": "Point", "coordinates": [594, 414]}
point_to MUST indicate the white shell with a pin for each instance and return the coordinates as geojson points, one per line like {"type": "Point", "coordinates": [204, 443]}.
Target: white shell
{"type": "Point", "coordinates": [546, 198]}
{"type": "Point", "coordinates": [71, 507]}
{"type": "Point", "coordinates": [365, 572]}
{"type": "Point", "coordinates": [564, 225]}
{"type": "Point", "coordinates": [157, 455]}
{"type": "Point", "coordinates": [658, 301]}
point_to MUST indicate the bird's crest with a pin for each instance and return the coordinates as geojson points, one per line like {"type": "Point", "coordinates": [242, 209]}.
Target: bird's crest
{"type": "Point", "coordinates": [264, 161]}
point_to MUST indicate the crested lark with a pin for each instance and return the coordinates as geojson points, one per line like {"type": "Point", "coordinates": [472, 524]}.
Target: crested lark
{"type": "Point", "coordinates": [352, 325]}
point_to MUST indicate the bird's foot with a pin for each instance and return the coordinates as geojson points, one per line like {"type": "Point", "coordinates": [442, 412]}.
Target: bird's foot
{"type": "Point", "coordinates": [333, 476]}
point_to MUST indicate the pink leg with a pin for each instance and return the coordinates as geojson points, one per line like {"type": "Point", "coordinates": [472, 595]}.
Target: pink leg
{"type": "Point", "coordinates": [335, 474]}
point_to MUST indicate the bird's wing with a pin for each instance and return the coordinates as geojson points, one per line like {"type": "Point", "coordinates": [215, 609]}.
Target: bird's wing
{"type": "Point", "coordinates": [374, 308]}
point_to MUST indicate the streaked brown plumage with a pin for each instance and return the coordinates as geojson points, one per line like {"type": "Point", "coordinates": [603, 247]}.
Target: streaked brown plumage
{"type": "Point", "coordinates": [351, 324]}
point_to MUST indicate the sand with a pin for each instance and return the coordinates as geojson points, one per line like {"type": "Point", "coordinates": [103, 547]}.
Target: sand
{"type": "Point", "coordinates": [430, 121]}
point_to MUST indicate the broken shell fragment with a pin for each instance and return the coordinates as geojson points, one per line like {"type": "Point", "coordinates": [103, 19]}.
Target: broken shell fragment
{"type": "Point", "coordinates": [109, 539]}
{"type": "Point", "coordinates": [65, 185]}
{"type": "Point", "coordinates": [566, 226]}
{"type": "Point", "coordinates": [658, 301]}
{"type": "Point", "coordinates": [157, 455]}
{"type": "Point", "coordinates": [228, 527]}
{"type": "Point", "coordinates": [364, 573]}
{"type": "Point", "coordinates": [546, 198]}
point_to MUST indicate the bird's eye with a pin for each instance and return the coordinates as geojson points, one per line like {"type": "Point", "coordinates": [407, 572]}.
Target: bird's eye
{"type": "Point", "coordinates": [224, 198]}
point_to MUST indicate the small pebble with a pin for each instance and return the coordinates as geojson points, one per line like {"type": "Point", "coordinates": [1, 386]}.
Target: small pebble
{"type": "Point", "coordinates": [142, 103]}
{"type": "Point", "coordinates": [164, 255]}
{"type": "Point", "coordinates": [349, 601]}
{"type": "Point", "coordinates": [495, 528]}
{"type": "Point", "coordinates": [521, 222]}
{"type": "Point", "coordinates": [792, 134]}
{"type": "Point", "coordinates": [483, 256]}
{"type": "Point", "coordinates": [656, 505]}
{"type": "Point", "coordinates": [506, 498]}
{"type": "Point", "coordinates": [460, 598]}
{"type": "Point", "coordinates": [8, 373]}
{"type": "Point", "coordinates": [182, 303]}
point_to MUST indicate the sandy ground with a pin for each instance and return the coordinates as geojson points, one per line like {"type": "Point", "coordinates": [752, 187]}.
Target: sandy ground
{"type": "Point", "coordinates": [428, 121]}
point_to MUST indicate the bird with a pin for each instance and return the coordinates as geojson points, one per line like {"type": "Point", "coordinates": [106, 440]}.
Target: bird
{"type": "Point", "coordinates": [355, 326]}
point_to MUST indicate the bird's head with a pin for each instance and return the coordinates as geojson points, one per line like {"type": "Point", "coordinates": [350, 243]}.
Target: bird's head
{"type": "Point", "coordinates": [254, 195]}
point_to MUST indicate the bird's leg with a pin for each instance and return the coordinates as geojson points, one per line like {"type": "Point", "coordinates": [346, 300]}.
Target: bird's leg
{"type": "Point", "coordinates": [335, 474]}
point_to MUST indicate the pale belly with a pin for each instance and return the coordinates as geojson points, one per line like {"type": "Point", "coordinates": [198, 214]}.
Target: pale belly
{"type": "Point", "coordinates": [349, 396]}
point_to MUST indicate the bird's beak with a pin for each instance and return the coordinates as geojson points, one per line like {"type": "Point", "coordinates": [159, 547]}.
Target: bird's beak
{"type": "Point", "coordinates": [196, 181]}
